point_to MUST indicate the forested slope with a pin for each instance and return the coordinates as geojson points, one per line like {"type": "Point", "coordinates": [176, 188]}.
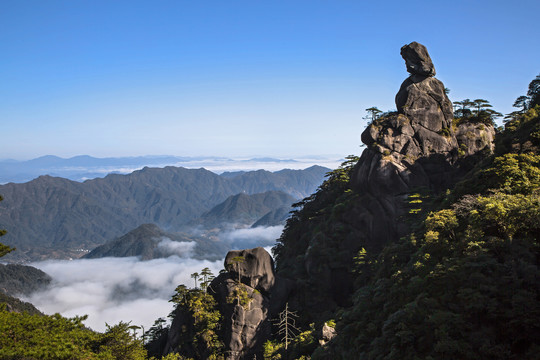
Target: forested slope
{"type": "Point", "coordinates": [463, 283]}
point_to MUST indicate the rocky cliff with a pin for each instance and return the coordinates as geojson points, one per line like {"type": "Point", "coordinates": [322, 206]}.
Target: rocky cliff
{"type": "Point", "coordinates": [416, 152]}
{"type": "Point", "coordinates": [417, 148]}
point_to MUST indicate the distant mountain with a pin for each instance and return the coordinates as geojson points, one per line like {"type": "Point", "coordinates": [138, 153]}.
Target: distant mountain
{"type": "Point", "coordinates": [244, 209]}
{"type": "Point", "coordinates": [232, 174]}
{"type": "Point", "coordinates": [16, 305]}
{"type": "Point", "coordinates": [52, 217]}
{"type": "Point", "coordinates": [275, 217]}
{"type": "Point", "coordinates": [84, 167]}
{"type": "Point", "coordinates": [286, 180]}
{"type": "Point", "coordinates": [269, 159]}
{"type": "Point", "coordinates": [148, 241]}
{"type": "Point", "coordinates": [18, 280]}
{"type": "Point", "coordinates": [79, 168]}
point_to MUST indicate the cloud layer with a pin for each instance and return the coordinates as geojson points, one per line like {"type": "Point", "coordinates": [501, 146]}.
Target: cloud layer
{"type": "Point", "coordinates": [110, 290]}
{"type": "Point", "coordinates": [252, 237]}
{"type": "Point", "coordinates": [182, 249]}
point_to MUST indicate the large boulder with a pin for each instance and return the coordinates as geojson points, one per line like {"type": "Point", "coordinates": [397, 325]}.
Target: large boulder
{"type": "Point", "coordinates": [253, 267]}
{"type": "Point", "coordinates": [424, 101]}
{"type": "Point", "coordinates": [249, 294]}
{"type": "Point", "coordinates": [417, 59]}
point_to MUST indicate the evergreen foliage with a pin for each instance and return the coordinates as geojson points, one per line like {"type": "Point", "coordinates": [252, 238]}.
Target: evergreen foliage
{"type": "Point", "coordinates": [476, 111]}
{"type": "Point", "coordinates": [466, 285]}
{"type": "Point", "coordinates": [200, 338]}
{"type": "Point", "coordinates": [25, 336]}
{"type": "Point", "coordinates": [199, 335]}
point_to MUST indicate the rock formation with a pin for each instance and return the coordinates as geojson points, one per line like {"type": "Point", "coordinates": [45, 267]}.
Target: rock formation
{"type": "Point", "coordinates": [249, 327]}
{"type": "Point", "coordinates": [249, 295]}
{"type": "Point", "coordinates": [419, 148]}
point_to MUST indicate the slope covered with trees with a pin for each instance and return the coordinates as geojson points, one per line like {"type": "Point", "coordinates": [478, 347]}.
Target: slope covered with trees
{"type": "Point", "coordinates": [53, 217]}
{"type": "Point", "coordinates": [25, 333]}
{"type": "Point", "coordinates": [462, 283]}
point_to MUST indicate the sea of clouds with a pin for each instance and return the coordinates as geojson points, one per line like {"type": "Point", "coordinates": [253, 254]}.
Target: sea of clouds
{"type": "Point", "coordinates": [110, 290]}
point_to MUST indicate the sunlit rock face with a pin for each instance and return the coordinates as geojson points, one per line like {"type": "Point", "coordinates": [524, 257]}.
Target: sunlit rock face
{"type": "Point", "coordinates": [417, 147]}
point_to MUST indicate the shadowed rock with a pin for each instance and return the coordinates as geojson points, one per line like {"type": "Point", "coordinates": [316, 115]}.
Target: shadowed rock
{"type": "Point", "coordinates": [248, 296]}
{"type": "Point", "coordinates": [418, 149]}
{"type": "Point", "coordinates": [417, 59]}
{"type": "Point", "coordinates": [254, 267]}
{"type": "Point", "coordinates": [247, 325]}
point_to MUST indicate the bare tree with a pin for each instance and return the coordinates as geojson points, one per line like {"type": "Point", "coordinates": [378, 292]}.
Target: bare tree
{"type": "Point", "coordinates": [287, 325]}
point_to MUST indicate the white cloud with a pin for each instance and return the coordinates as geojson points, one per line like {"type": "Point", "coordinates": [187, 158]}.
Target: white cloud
{"type": "Point", "coordinates": [110, 290]}
{"type": "Point", "coordinates": [252, 237]}
{"type": "Point", "coordinates": [181, 249]}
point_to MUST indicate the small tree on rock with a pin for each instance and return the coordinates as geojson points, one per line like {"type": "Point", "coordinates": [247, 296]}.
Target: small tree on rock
{"type": "Point", "coordinates": [373, 114]}
{"type": "Point", "coordinates": [234, 264]}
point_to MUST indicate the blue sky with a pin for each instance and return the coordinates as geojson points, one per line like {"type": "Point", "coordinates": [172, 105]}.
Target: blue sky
{"type": "Point", "coordinates": [239, 78]}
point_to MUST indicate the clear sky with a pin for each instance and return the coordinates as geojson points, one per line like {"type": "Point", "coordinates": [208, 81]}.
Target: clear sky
{"type": "Point", "coordinates": [239, 78]}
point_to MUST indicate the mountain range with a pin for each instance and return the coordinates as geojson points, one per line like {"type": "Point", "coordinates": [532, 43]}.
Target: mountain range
{"type": "Point", "coordinates": [52, 217]}
{"type": "Point", "coordinates": [84, 167]}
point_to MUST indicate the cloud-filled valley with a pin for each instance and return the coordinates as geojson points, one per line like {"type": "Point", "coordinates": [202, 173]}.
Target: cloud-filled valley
{"type": "Point", "coordinates": [110, 290]}
{"type": "Point", "coordinates": [114, 289]}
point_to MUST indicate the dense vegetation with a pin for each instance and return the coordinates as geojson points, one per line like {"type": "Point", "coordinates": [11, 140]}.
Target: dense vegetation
{"type": "Point", "coordinates": [466, 286]}
{"type": "Point", "coordinates": [51, 217]}
{"type": "Point", "coordinates": [462, 285]}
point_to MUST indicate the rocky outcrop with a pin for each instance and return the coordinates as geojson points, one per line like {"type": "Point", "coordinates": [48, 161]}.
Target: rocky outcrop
{"type": "Point", "coordinates": [248, 295]}
{"type": "Point", "coordinates": [327, 333]}
{"type": "Point", "coordinates": [417, 149]}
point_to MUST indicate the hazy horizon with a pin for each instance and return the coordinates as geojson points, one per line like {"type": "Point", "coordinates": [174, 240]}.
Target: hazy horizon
{"type": "Point", "coordinates": [81, 168]}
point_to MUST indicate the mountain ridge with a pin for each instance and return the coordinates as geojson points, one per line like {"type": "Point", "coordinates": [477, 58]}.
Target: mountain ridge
{"type": "Point", "coordinates": [60, 217]}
